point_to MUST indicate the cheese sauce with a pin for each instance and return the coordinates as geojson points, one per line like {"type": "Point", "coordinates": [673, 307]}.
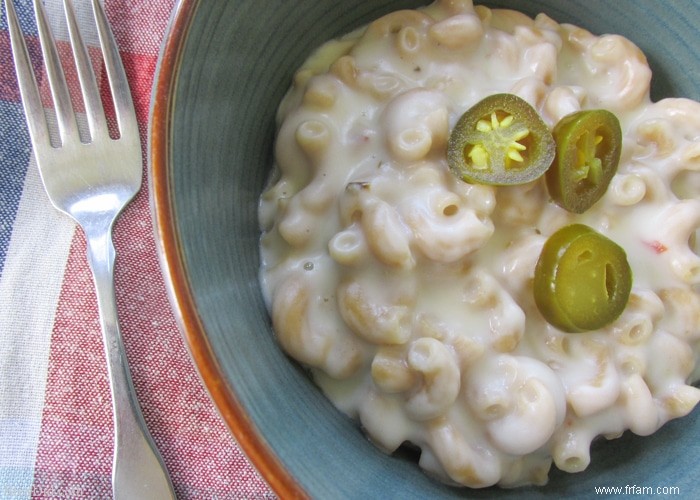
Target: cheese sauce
{"type": "Point", "coordinates": [408, 293]}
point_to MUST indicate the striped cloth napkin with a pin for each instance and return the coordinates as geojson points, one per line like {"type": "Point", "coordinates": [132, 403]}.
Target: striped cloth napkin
{"type": "Point", "coordinates": [56, 431]}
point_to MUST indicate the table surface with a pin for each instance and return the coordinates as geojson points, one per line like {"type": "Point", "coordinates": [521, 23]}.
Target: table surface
{"type": "Point", "coordinates": [56, 430]}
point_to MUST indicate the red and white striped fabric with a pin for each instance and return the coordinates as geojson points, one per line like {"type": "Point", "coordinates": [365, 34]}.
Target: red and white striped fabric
{"type": "Point", "coordinates": [56, 432]}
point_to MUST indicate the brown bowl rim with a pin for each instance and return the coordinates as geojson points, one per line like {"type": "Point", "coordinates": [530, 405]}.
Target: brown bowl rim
{"type": "Point", "coordinates": [174, 270]}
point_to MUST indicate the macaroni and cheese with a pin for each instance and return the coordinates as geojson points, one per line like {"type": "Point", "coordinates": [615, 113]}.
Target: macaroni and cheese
{"type": "Point", "coordinates": [409, 293]}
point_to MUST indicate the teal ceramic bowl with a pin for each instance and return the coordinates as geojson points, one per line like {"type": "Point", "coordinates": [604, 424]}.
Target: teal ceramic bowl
{"type": "Point", "coordinates": [225, 65]}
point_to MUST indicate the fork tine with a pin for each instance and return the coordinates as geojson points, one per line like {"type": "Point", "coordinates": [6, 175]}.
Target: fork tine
{"type": "Point", "coordinates": [118, 83]}
{"type": "Point", "coordinates": [88, 83]}
{"type": "Point", "coordinates": [29, 90]}
{"type": "Point", "coordinates": [67, 125]}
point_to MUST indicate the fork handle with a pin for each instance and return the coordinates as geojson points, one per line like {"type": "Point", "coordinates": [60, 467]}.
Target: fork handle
{"type": "Point", "coordinates": [138, 470]}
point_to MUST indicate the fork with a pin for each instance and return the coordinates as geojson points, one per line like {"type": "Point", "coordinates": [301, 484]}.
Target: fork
{"type": "Point", "coordinates": [92, 182]}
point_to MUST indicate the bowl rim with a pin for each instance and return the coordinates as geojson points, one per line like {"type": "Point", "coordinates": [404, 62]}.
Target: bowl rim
{"type": "Point", "coordinates": [169, 249]}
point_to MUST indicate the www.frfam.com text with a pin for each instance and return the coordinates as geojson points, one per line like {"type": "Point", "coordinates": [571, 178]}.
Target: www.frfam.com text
{"type": "Point", "coordinates": [633, 489]}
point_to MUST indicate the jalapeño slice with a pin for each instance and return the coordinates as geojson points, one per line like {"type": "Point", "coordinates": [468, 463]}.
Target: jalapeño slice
{"type": "Point", "coordinates": [500, 141]}
{"type": "Point", "coordinates": [582, 279]}
{"type": "Point", "coordinates": [588, 150]}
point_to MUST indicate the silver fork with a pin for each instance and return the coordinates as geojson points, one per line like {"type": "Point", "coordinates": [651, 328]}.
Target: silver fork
{"type": "Point", "coordinates": [92, 182]}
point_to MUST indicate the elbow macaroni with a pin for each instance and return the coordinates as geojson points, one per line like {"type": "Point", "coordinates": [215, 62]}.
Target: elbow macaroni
{"type": "Point", "coordinates": [408, 293]}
